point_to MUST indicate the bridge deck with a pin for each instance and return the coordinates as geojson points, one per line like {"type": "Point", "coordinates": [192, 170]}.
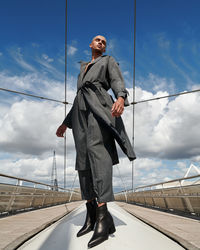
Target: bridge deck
{"type": "Point", "coordinates": [17, 228]}
{"type": "Point", "coordinates": [184, 230]}
{"type": "Point", "coordinates": [130, 231]}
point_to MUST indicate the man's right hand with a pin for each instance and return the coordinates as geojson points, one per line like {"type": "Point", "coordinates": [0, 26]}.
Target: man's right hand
{"type": "Point", "coordinates": [61, 130]}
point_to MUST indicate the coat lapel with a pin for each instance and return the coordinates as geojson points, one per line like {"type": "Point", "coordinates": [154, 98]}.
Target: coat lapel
{"type": "Point", "coordinates": [84, 64]}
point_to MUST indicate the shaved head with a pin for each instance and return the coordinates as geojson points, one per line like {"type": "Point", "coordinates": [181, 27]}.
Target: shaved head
{"type": "Point", "coordinates": [99, 36]}
{"type": "Point", "coordinates": [98, 45]}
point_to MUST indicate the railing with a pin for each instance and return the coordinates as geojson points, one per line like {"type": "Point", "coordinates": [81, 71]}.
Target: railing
{"type": "Point", "coordinates": [19, 197]}
{"type": "Point", "coordinates": [174, 195]}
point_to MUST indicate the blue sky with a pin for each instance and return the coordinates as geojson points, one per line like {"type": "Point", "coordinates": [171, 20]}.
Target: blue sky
{"type": "Point", "coordinates": [167, 61]}
{"type": "Point", "coordinates": [168, 33]}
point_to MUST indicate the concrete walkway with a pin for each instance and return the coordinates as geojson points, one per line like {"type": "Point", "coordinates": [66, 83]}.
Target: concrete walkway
{"type": "Point", "coordinates": [16, 229]}
{"type": "Point", "coordinates": [131, 234]}
{"type": "Point", "coordinates": [184, 230]}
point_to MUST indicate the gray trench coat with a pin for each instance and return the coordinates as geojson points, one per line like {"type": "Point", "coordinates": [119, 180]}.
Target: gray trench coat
{"type": "Point", "coordinates": [92, 86]}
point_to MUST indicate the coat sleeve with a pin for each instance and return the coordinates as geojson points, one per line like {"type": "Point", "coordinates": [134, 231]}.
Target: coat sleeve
{"type": "Point", "coordinates": [69, 118]}
{"type": "Point", "coordinates": [116, 80]}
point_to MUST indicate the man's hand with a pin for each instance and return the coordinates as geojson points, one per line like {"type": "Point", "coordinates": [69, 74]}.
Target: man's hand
{"type": "Point", "coordinates": [118, 107]}
{"type": "Point", "coordinates": [61, 130]}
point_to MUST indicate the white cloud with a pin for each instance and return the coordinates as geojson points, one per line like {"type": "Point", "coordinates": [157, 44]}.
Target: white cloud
{"type": "Point", "coordinates": [71, 50]}
{"type": "Point", "coordinates": [165, 129]}
{"type": "Point", "coordinates": [29, 128]}
{"type": "Point", "coordinates": [178, 69]}
{"type": "Point", "coordinates": [181, 164]}
{"type": "Point", "coordinates": [146, 171]}
{"type": "Point", "coordinates": [163, 42]}
{"type": "Point", "coordinates": [111, 45]}
{"type": "Point", "coordinates": [87, 52]}
{"type": "Point", "coordinates": [39, 169]}
{"type": "Point", "coordinates": [195, 86]}
{"type": "Point", "coordinates": [4, 109]}
{"type": "Point", "coordinates": [18, 57]}
{"type": "Point", "coordinates": [47, 58]}
{"type": "Point", "coordinates": [36, 83]}
{"type": "Point", "coordinates": [1, 54]}
{"type": "Point", "coordinates": [126, 74]}
{"type": "Point", "coordinates": [16, 82]}
{"type": "Point", "coordinates": [196, 158]}
{"type": "Point", "coordinates": [45, 63]}
{"type": "Point", "coordinates": [156, 83]}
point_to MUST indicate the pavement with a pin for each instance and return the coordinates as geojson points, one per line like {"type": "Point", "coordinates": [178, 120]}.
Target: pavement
{"type": "Point", "coordinates": [184, 230]}
{"type": "Point", "coordinates": [131, 234]}
{"type": "Point", "coordinates": [16, 229]}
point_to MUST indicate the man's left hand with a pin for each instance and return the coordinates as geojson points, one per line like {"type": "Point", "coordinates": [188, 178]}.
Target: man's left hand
{"type": "Point", "coordinates": [118, 107]}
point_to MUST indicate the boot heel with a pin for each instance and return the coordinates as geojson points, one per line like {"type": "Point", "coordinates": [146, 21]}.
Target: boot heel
{"type": "Point", "coordinates": [112, 229]}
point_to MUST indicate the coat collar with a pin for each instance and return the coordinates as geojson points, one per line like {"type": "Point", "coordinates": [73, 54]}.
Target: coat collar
{"type": "Point", "coordinates": [83, 63]}
{"type": "Point", "coordinates": [97, 59]}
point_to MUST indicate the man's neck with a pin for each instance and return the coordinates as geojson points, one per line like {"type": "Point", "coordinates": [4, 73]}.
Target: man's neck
{"type": "Point", "coordinates": [95, 55]}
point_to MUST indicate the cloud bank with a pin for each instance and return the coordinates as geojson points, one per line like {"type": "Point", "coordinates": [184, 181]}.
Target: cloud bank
{"type": "Point", "coordinates": [165, 130]}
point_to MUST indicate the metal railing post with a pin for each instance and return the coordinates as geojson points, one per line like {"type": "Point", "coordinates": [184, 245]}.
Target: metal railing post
{"type": "Point", "coordinates": [186, 201]}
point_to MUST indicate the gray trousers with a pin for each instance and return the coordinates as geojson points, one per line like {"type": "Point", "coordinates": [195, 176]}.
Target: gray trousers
{"type": "Point", "coordinates": [96, 180]}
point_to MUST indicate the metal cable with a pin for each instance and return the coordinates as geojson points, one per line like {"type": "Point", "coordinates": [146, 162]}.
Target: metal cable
{"type": "Point", "coordinates": [35, 96]}
{"type": "Point", "coordinates": [123, 183]}
{"type": "Point", "coordinates": [166, 96]}
{"type": "Point", "coordinates": [65, 102]}
{"type": "Point", "coordinates": [65, 141]}
{"type": "Point", "coordinates": [134, 89]}
{"type": "Point", "coordinates": [72, 187]}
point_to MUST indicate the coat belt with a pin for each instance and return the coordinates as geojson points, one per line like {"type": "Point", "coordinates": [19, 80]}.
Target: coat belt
{"type": "Point", "coordinates": [94, 87]}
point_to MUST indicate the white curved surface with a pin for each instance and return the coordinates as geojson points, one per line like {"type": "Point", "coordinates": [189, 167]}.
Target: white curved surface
{"type": "Point", "coordinates": [130, 234]}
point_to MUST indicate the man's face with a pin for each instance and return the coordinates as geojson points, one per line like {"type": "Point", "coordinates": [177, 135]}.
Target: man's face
{"type": "Point", "coordinates": [99, 44]}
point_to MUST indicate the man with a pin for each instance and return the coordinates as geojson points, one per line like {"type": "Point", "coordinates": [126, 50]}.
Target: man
{"type": "Point", "coordinates": [96, 124]}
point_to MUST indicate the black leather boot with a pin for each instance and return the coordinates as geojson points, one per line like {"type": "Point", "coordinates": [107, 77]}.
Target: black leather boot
{"type": "Point", "coordinates": [104, 226]}
{"type": "Point", "coordinates": [90, 218]}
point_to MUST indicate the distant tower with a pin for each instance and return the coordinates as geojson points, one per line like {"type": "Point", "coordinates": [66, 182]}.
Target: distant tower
{"type": "Point", "coordinates": [54, 180]}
